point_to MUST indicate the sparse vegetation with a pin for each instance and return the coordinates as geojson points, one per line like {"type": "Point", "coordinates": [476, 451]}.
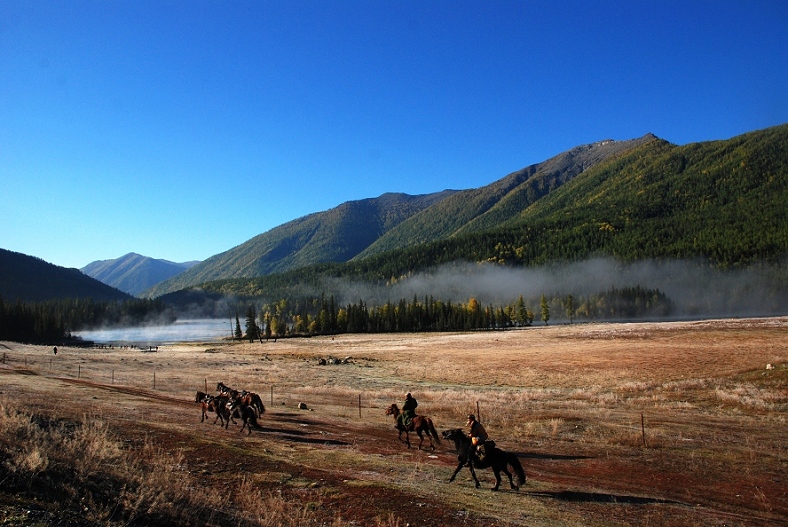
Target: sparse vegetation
{"type": "Point", "coordinates": [616, 424]}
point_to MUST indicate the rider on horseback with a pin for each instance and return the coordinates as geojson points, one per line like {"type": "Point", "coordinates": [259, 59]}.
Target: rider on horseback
{"type": "Point", "coordinates": [408, 411]}
{"type": "Point", "coordinates": [479, 436]}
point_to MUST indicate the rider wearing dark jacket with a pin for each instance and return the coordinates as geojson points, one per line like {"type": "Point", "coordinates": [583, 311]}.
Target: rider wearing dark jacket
{"type": "Point", "coordinates": [408, 410]}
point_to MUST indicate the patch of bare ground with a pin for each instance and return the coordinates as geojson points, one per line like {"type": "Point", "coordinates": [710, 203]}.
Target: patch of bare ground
{"type": "Point", "coordinates": [676, 423]}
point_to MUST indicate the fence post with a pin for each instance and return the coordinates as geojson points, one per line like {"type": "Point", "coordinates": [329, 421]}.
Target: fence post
{"type": "Point", "coordinates": [79, 370]}
{"type": "Point", "coordinates": [643, 428]}
{"type": "Point", "coordinates": [272, 395]}
{"type": "Point", "coordinates": [154, 379]}
{"type": "Point", "coordinates": [359, 405]}
{"type": "Point", "coordinates": [478, 412]}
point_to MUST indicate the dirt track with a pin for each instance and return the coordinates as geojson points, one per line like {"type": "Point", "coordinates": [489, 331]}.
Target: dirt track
{"type": "Point", "coordinates": [569, 401]}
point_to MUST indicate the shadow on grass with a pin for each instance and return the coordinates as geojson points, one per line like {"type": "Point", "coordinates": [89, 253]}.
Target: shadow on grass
{"type": "Point", "coordinates": [555, 457]}
{"type": "Point", "coordinates": [599, 497]}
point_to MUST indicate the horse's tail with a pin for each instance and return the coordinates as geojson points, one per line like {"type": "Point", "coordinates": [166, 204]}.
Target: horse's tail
{"type": "Point", "coordinates": [514, 462]}
{"type": "Point", "coordinates": [433, 431]}
{"type": "Point", "coordinates": [258, 404]}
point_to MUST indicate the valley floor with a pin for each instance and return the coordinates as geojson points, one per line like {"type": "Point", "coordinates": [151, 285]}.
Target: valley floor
{"type": "Point", "coordinates": [676, 423]}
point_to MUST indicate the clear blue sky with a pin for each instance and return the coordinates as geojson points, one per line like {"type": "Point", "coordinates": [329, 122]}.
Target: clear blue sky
{"type": "Point", "coordinates": [180, 129]}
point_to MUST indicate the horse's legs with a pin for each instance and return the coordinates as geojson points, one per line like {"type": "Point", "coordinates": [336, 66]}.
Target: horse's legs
{"type": "Point", "coordinates": [497, 472]}
{"type": "Point", "coordinates": [421, 438]}
{"type": "Point", "coordinates": [246, 424]}
{"type": "Point", "coordinates": [509, 475]}
{"type": "Point", "coordinates": [457, 470]}
{"type": "Point", "coordinates": [473, 473]}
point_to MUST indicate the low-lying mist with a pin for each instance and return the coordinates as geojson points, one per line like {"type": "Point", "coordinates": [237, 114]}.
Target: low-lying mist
{"type": "Point", "coordinates": [186, 330]}
{"type": "Point", "coordinates": [696, 290]}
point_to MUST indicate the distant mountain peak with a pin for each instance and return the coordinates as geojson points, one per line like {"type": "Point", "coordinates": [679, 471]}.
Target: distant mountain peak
{"type": "Point", "coordinates": [134, 273]}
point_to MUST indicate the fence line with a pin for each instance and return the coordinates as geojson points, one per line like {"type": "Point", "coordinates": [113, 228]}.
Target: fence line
{"type": "Point", "coordinates": [156, 378]}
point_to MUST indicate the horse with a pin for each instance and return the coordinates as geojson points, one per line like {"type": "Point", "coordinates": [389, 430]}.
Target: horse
{"type": "Point", "coordinates": [210, 403]}
{"type": "Point", "coordinates": [248, 398]}
{"type": "Point", "coordinates": [204, 399]}
{"type": "Point", "coordinates": [246, 413]}
{"type": "Point", "coordinates": [254, 401]}
{"type": "Point", "coordinates": [226, 390]}
{"type": "Point", "coordinates": [496, 459]}
{"type": "Point", "coordinates": [419, 424]}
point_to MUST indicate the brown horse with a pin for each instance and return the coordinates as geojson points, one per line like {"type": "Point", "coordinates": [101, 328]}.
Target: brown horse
{"type": "Point", "coordinates": [210, 403]}
{"type": "Point", "coordinates": [419, 424]}
{"type": "Point", "coordinates": [248, 398]}
{"type": "Point", "coordinates": [254, 401]}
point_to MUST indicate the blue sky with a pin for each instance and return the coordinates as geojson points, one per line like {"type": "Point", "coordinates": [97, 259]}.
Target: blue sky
{"type": "Point", "coordinates": [180, 129]}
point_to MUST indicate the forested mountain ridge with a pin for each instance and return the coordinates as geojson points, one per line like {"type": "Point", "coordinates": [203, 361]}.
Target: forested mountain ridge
{"type": "Point", "coordinates": [336, 235]}
{"type": "Point", "coordinates": [489, 206]}
{"type": "Point", "coordinates": [359, 229]}
{"type": "Point", "coordinates": [30, 279]}
{"type": "Point", "coordinates": [134, 273]}
{"type": "Point", "coordinates": [723, 202]}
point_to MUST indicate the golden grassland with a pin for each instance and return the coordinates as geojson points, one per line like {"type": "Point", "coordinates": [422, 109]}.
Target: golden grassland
{"type": "Point", "coordinates": [675, 423]}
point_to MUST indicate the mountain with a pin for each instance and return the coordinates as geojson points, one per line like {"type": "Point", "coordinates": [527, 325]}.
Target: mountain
{"type": "Point", "coordinates": [31, 279]}
{"type": "Point", "coordinates": [134, 273]}
{"type": "Point", "coordinates": [336, 235]}
{"type": "Point", "coordinates": [490, 206]}
{"type": "Point", "coordinates": [359, 229]}
{"type": "Point", "coordinates": [724, 203]}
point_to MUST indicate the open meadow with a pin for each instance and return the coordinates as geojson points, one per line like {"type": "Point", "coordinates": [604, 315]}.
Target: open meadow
{"type": "Point", "coordinates": [637, 424]}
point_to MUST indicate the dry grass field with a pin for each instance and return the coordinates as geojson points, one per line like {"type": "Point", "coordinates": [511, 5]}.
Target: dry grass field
{"type": "Point", "coordinates": [641, 424]}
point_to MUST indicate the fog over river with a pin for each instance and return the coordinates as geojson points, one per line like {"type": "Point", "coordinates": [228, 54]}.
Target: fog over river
{"type": "Point", "coordinates": [195, 330]}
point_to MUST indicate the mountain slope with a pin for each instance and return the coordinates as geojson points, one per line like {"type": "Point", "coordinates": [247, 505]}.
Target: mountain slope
{"type": "Point", "coordinates": [359, 229]}
{"type": "Point", "coordinates": [134, 273]}
{"type": "Point", "coordinates": [724, 202]}
{"type": "Point", "coordinates": [31, 279]}
{"type": "Point", "coordinates": [487, 207]}
{"type": "Point", "coordinates": [336, 235]}
{"type": "Point", "coordinates": [720, 203]}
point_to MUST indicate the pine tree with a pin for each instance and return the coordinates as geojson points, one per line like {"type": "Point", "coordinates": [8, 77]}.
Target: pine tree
{"type": "Point", "coordinates": [570, 307]}
{"type": "Point", "coordinates": [545, 309]}
{"type": "Point", "coordinates": [238, 333]}
{"type": "Point", "coordinates": [251, 324]}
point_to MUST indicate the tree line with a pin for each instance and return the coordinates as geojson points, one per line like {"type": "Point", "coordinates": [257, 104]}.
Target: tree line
{"type": "Point", "coordinates": [325, 316]}
{"type": "Point", "coordinates": [53, 321]}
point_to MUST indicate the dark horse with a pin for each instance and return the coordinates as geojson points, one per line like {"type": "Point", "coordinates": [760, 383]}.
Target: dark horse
{"type": "Point", "coordinates": [247, 413]}
{"type": "Point", "coordinates": [496, 459]}
{"type": "Point", "coordinates": [419, 424]}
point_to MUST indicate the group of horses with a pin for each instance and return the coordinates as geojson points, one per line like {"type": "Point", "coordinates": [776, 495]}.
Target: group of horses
{"type": "Point", "coordinates": [495, 458]}
{"type": "Point", "coordinates": [229, 404]}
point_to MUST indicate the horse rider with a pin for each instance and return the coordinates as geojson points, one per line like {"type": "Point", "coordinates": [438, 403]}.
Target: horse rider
{"type": "Point", "coordinates": [478, 436]}
{"type": "Point", "coordinates": [408, 410]}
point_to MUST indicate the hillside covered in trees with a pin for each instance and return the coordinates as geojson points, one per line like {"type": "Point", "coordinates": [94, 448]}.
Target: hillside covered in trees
{"type": "Point", "coordinates": [725, 202]}
{"type": "Point", "coordinates": [722, 202]}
